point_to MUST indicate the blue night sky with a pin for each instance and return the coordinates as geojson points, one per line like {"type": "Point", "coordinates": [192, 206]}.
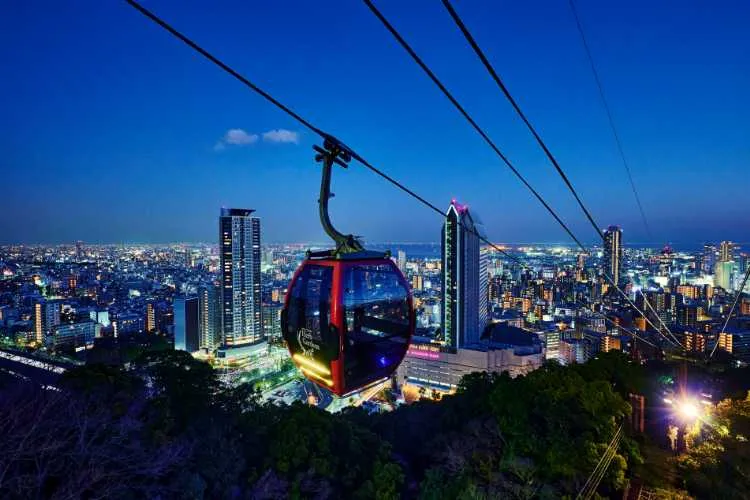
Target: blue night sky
{"type": "Point", "coordinates": [113, 131]}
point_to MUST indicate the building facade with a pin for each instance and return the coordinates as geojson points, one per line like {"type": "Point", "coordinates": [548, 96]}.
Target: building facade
{"type": "Point", "coordinates": [613, 254]}
{"type": "Point", "coordinates": [46, 317]}
{"type": "Point", "coordinates": [186, 336]}
{"type": "Point", "coordinates": [464, 312]}
{"type": "Point", "coordinates": [209, 316]}
{"type": "Point", "coordinates": [239, 243]}
{"type": "Point", "coordinates": [74, 336]}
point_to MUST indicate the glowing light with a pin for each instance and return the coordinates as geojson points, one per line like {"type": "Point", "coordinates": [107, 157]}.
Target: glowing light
{"type": "Point", "coordinates": [311, 364]}
{"type": "Point", "coordinates": [688, 410]}
{"type": "Point", "coordinates": [668, 401]}
{"type": "Point", "coordinates": [314, 375]}
{"type": "Point", "coordinates": [418, 353]}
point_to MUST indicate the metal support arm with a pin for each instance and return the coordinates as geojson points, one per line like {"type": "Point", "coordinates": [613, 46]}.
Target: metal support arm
{"type": "Point", "coordinates": [333, 152]}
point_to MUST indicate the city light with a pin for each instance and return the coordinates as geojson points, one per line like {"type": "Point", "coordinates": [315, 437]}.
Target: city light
{"type": "Point", "coordinates": [688, 410]}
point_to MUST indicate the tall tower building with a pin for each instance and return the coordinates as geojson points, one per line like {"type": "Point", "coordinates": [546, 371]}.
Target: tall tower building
{"type": "Point", "coordinates": [209, 316]}
{"type": "Point", "coordinates": [726, 251]}
{"type": "Point", "coordinates": [239, 241]}
{"type": "Point", "coordinates": [464, 306]}
{"type": "Point", "coordinates": [724, 275]}
{"type": "Point", "coordinates": [150, 318]}
{"type": "Point", "coordinates": [708, 260]}
{"type": "Point", "coordinates": [186, 324]}
{"type": "Point", "coordinates": [613, 254]}
{"type": "Point", "coordinates": [402, 261]}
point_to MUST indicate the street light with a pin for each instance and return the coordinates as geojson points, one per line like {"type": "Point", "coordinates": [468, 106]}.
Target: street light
{"type": "Point", "coordinates": [688, 410]}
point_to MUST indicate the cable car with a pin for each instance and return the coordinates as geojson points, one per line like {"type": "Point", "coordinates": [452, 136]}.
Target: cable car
{"type": "Point", "coordinates": [348, 315]}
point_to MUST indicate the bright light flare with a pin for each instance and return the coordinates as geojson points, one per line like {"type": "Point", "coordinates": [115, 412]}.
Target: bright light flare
{"type": "Point", "coordinates": [688, 410]}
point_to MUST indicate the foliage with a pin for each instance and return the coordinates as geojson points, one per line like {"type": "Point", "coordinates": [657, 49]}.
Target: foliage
{"type": "Point", "coordinates": [537, 436]}
{"type": "Point", "coordinates": [718, 466]}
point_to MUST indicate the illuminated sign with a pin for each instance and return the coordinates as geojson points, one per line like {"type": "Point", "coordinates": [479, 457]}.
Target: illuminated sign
{"type": "Point", "coordinates": [424, 351]}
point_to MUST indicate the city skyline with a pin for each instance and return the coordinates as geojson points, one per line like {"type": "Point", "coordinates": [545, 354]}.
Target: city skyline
{"type": "Point", "coordinates": [175, 139]}
{"type": "Point", "coordinates": [241, 251]}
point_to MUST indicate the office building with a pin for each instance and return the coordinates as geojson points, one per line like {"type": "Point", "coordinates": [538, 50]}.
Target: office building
{"type": "Point", "coordinates": [464, 313]}
{"type": "Point", "coordinates": [574, 351]}
{"type": "Point", "coordinates": [272, 322]}
{"type": "Point", "coordinates": [726, 251]}
{"type": "Point", "coordinates": [46, 316]}
{"type": "Point", "coordinates": [724, 275]}
{"type": "Point", "coordinates": [708, 258]}
{"type": "Point", "coordinates": [401, 261]}
{"type": "Point", "coordinates": [150, 318]}
{"type": "Point", "coordinates": [209, 316]}
{"type": "Point", "coordinates": [737, 342]}
{"type": "Point", "coordinates": [186, 324]}
{"type": "Point", "coordinates": [74, 336]}
{"type": "Point", "coordinates": [508, 349]}
{"type": "Point", "coordinates": [613, 254]}
{"type": "Point", "coordinates": [239, 243]}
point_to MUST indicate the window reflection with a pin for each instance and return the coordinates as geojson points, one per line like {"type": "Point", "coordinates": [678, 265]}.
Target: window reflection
{"type": "Point", "coordinates": [377, 315]}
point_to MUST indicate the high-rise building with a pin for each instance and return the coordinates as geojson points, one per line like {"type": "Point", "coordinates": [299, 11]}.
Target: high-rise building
{"type": "Point", "coordinates": [552, 345]}
{"type": "Point", "coordinates": [688, 314]}
{"type": "Point", "coordinates": [79, 250]}
{"type": "Point", "coordinates": [724, 275]}
{"type": "Point", "coordinates": [402, 261]}
{"type": "Point", "coordinates": [239, 243]}
{"type": "Point", "coordinates": [150, 318]}
{"type": "Point", "coordinates": [209, 316]}
{"type": "Point", "coordinates": [613, 254]}
{"type": "Point", "coordinates": [464, 313]}
{"type": "Point", "coordinates": [272, 322]}
{"type": "Point", "coordinates": [268, 257]}
{"type": "Point", "coordinates": [46, 316]}
{"type": "Point", "coordinates": [186, 324]}
{"type": "Point", "coordinates": [726, 251]}
{"type": "Point", "coordinates": [708, 260]}
{"type": "Point", "coordinates": [417, 282]}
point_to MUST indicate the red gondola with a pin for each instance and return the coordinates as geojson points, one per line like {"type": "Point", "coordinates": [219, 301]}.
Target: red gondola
{"type": "Point", "coordinates": [348, 316]}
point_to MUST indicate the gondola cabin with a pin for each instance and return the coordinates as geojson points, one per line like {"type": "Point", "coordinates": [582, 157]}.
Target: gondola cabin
{"type": "Point", "coordinates": [348, 320]}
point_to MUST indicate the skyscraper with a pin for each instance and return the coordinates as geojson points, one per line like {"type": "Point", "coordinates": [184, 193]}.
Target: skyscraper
{"type": "Point", "coordinates": [464, 308]}
{"type": "Point", "coordinates": [402, 261]}
{"type": "Point", "coordinates": [726, 251]}
{"type": "Point", "coordinates": [724, 275]}
{"type": "Point", "coordinates": [239, 241]}
{"type": "Point", "coordinates": [708, 260]}
{"type": "Point", "coordinates": [79, 250]}
{"type": "Point", "coordinates": [209, 316]}
{"type": "Point", "coordinates": [613, 254]}
{"type": "Point", "coordinates": [186, 324]}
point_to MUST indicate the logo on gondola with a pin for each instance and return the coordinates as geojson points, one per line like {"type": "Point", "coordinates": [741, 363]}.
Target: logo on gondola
{"type": "Point", "coordinates": [307, 341]}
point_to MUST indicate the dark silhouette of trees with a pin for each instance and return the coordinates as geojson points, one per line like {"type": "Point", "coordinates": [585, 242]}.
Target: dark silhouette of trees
{"type": "Point", "coordinates": [167, 427]}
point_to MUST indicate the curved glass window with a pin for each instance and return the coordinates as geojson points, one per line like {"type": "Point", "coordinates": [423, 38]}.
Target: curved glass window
{"type": "Point", "coordinates": [377, 320]}
{"type": "Point", "coordinates": [308, 332]}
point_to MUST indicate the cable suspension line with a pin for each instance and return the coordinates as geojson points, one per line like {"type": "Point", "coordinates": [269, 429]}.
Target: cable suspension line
{"type": "Point", "coordinates": [470, 39]}
{"type": "Point", "coordinates": [324, 135]}
{"type": "Point", "coordinates": [734, 305]}
{"type": "Point", "coordinates": [610, 118]}
{"type": "Point", "coordinates": [418, 60]}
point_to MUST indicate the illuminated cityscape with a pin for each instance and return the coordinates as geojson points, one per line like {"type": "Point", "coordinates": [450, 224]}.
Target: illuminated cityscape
{"type": "Point", "coordinates": [251, 264]}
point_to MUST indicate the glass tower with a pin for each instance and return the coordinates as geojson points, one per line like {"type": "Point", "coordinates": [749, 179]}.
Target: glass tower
{"type": "Point", "coordinates": [613, 254]}
{"type": "Point", "coordinates": [239, 242]}
{"type": "Point", "coordinates": [464, 313]}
